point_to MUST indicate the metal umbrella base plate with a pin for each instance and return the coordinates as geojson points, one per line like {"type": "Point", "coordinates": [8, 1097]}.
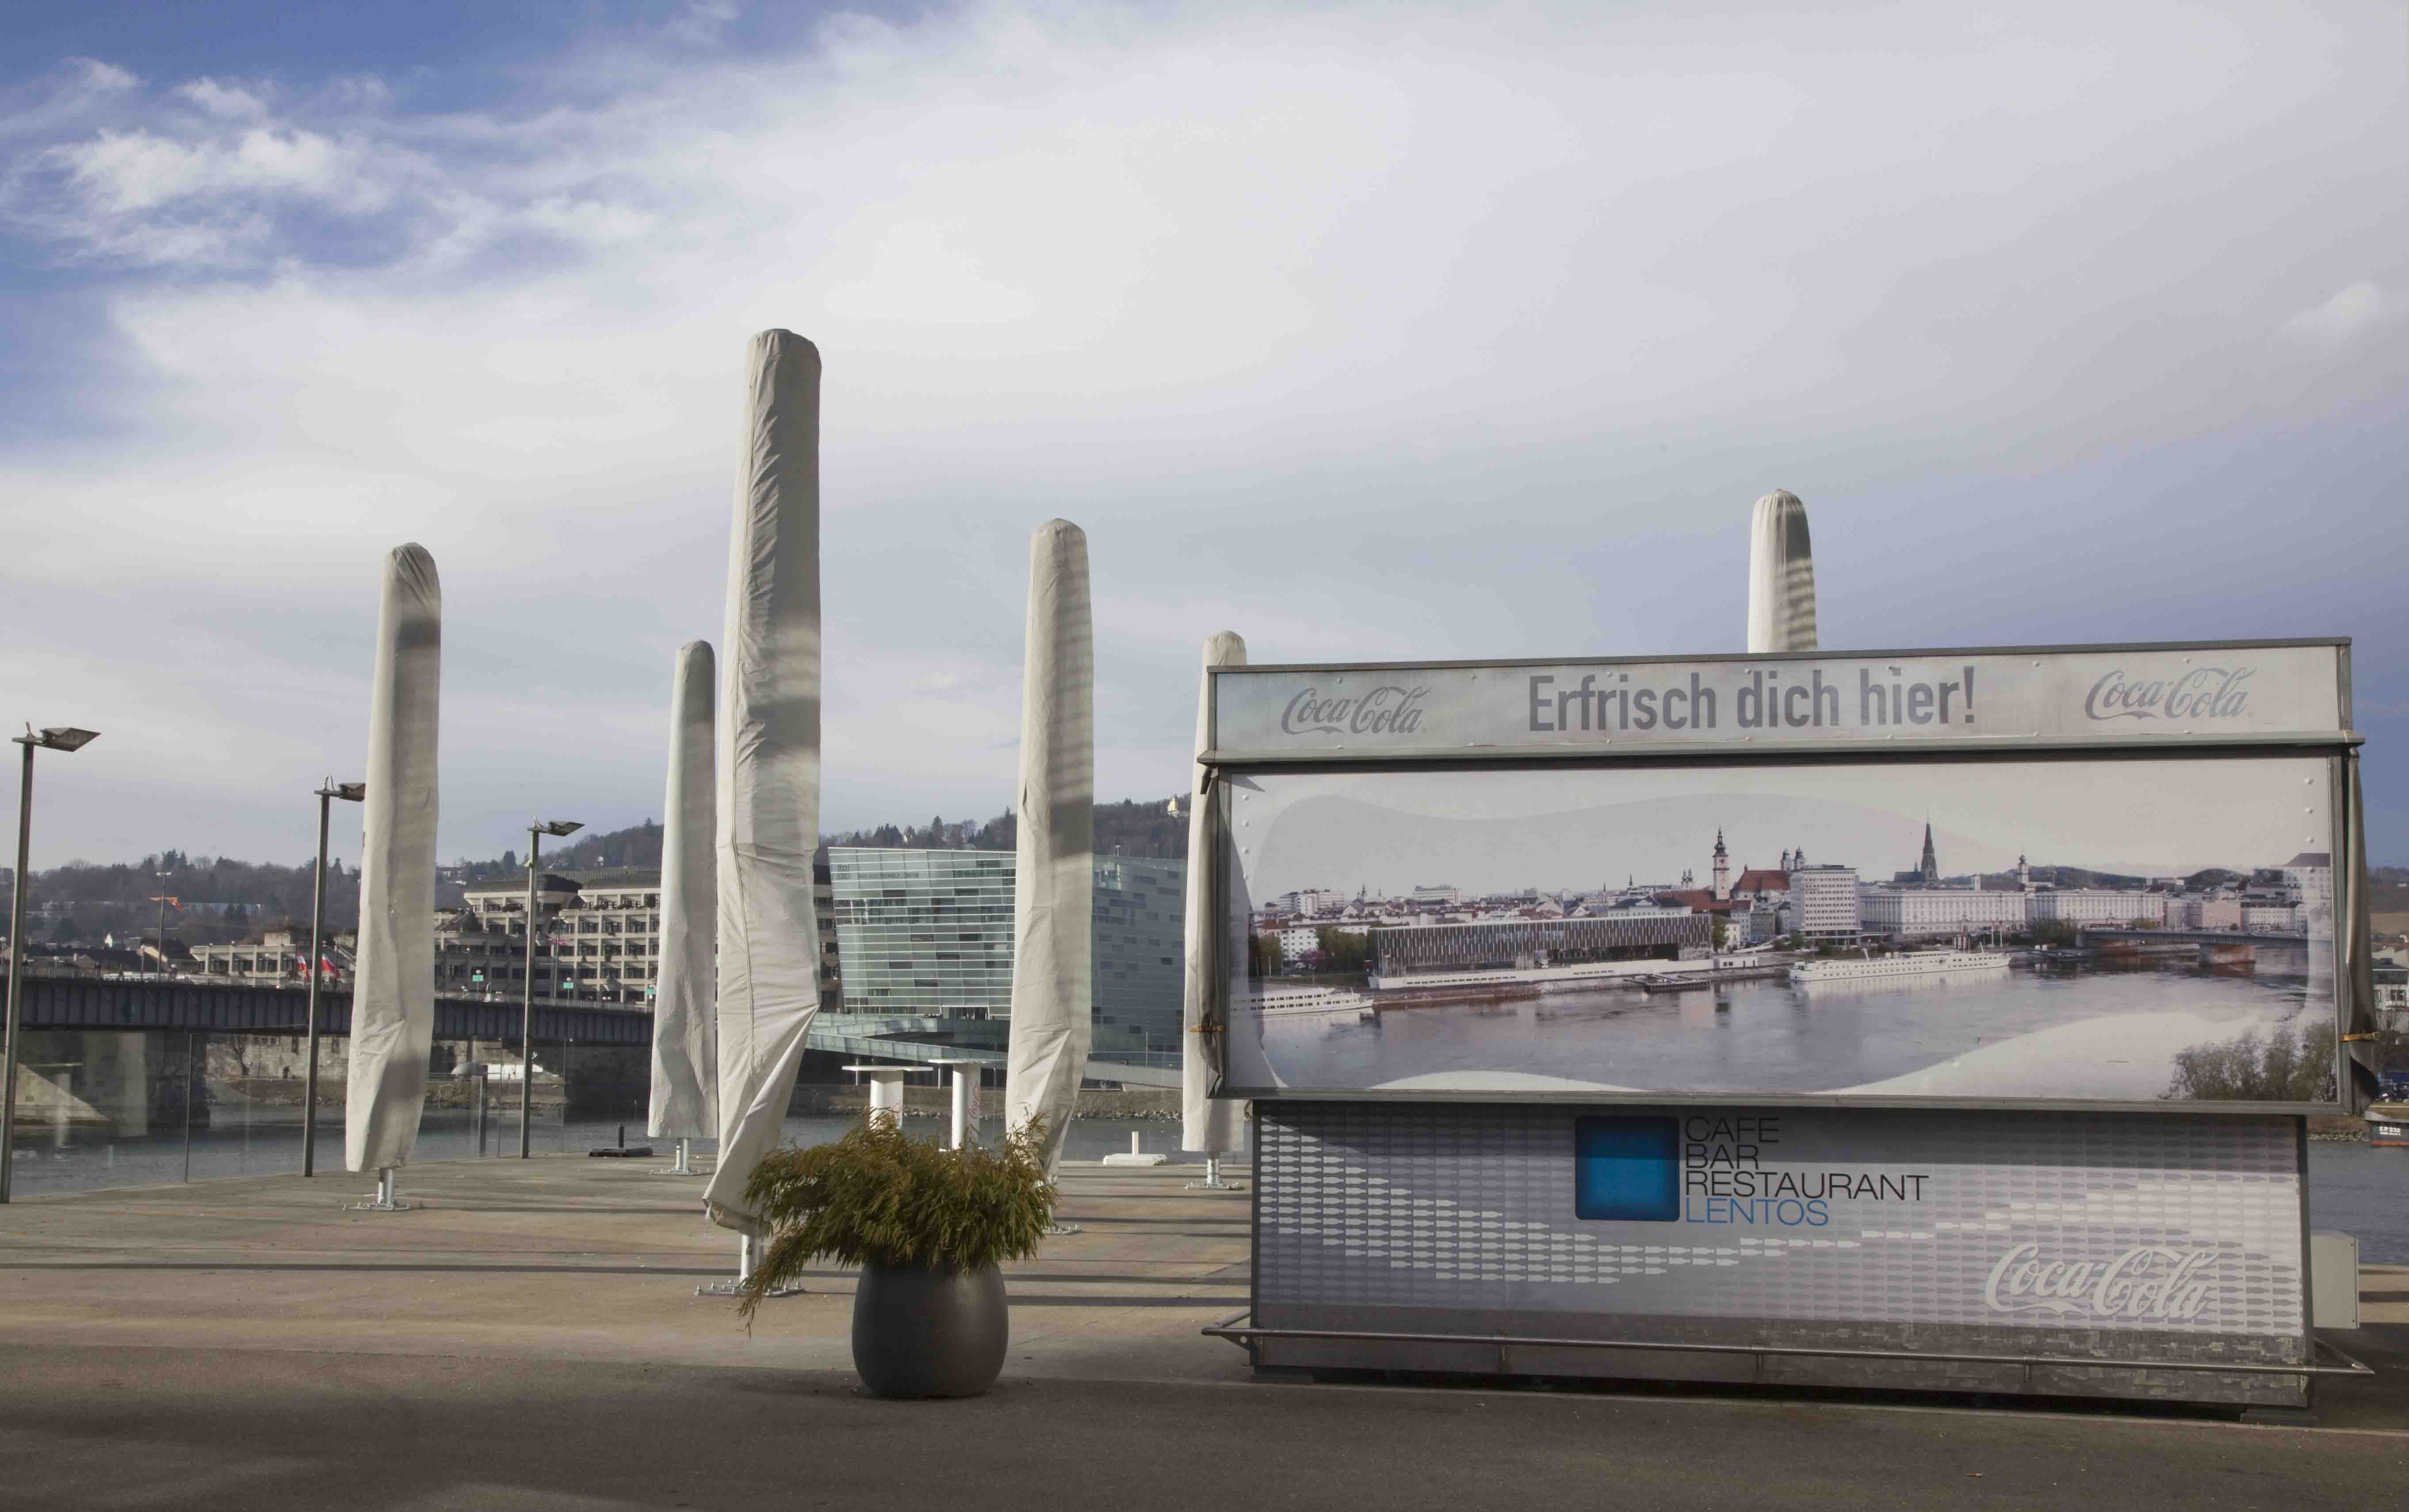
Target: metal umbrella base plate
{"type": "Point", "coordinates": [735, 1288]}
{"type": "Point", "coordinates": [747, 1261]}
{"type": "Point", "coordinates": [1212, 1182]}
{"type": "Point", "coordinates": [382, 1199]}
{"type": "Point", "coordinates": [1057, 1229]}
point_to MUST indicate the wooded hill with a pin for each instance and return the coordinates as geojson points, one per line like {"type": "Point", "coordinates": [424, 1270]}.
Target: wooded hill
{"type": "Point", "coordinates": [220, 899]}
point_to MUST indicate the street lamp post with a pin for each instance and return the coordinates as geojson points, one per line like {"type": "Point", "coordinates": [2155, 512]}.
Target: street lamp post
{"type": "Point", "coordinates": [536, 832]}
{"type": "Point", "coordinates": [59, 738]}
{"type": "Point", "coordinates": [349, 793]}
{"type": "Point", "coordinates": [163, 899]}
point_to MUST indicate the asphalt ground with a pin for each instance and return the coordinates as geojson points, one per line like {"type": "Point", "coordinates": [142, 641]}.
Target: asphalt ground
{"type": "Point", "coordinates": [530, 1339]}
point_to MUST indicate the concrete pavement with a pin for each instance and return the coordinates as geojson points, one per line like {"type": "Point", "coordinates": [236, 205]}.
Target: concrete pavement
{"type": "Point", "coordinates": [564, 1258]}
{"type": "Point", "coordinates": [531, 1340]}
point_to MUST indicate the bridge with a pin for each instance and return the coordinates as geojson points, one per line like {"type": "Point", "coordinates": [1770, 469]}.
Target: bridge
{"type": "Point", "coordinates": [884, 1037]}
{"type": "Point", "coordinates": [133, 1004]}
{"type": "Point", "coordinates": [2196, 937]}
{"type": "Point", "coordinates": [84, 1002]}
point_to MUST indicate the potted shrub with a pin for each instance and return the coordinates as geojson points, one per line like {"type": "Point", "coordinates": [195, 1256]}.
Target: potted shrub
{"type": "Point", "coordinates": [929, 1227]}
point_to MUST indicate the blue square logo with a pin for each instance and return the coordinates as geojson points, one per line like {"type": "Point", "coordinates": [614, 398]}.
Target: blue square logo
{"type": "Point", "coordinates": [1627, 1170]}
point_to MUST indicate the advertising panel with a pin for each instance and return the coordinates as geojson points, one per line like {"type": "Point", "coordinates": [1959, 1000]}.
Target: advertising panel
{"type": "Point", "coordinates": [2138, 694]}
{"type": "Point", "coordinates": [2096, 1237]}
{"type": "Point", "coordinates": [2129, 928]}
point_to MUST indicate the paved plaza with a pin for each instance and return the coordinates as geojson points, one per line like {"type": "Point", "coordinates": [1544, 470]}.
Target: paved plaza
{"type": "Point", "coordinates": [530, 1339]}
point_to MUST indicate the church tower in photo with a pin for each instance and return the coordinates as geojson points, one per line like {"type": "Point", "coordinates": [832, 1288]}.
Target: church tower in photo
{"type": "Point", "coordinates": [1928, 870]}
{"type": "Point", "coordinates": [1723, 870]}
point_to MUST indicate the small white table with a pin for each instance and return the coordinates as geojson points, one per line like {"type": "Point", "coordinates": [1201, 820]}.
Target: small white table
{"type": "Point", "coordinates": [885, 1092]}
{"type": "Point", "coordinates": [966, 1075]}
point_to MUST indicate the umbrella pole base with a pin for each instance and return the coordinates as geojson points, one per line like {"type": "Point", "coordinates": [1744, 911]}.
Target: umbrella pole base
{"type": "Point", "coordinates": [1212, 1182]}
{"type": "Point", "coordinates": [683, 1165]}
{"type": "Point", "coordinates": [734, 1286]}
{"type": "Point", "coordinates": [382, 1199]}
{"type": "Point", "coordinates": [1057, 1229]}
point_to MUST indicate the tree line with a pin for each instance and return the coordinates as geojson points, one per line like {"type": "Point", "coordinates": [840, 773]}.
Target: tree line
{"type": "Point", "coordinates": [219, 899]}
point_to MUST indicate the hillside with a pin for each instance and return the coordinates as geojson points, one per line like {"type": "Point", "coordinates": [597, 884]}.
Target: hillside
{"type": "Point", "coordinates": [1129, 828]}
{"type": "Point", "coordinates": [216, 900]}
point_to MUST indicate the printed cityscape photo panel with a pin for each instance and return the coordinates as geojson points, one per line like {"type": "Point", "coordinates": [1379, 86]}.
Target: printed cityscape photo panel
{"type": "Point", "coordinates": [2130, 930]}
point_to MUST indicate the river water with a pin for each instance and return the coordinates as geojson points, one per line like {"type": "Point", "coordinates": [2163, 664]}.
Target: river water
{"type": "Point", "coordinates": [2014, 1032]}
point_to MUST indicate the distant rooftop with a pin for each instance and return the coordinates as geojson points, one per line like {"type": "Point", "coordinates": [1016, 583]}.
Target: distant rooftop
{"type": "Point", "coordinates": [616, 876]}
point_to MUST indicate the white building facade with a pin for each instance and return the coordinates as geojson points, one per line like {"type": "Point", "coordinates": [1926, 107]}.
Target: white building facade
{"type": "Point", "coordinates": [2100, 905]}
{"type": "Point", "coordinates": [1823, 904]}
{"type": "Point", "coordinates": [1935, 913]}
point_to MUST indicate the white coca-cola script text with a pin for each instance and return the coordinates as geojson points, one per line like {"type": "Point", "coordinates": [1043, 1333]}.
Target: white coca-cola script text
{"type": "Point", "coordinates": [2148, 1281]}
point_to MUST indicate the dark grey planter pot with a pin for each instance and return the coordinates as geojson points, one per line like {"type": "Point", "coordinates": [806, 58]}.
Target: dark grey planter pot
{"type": "Point", "coordinates": [920, 1332]}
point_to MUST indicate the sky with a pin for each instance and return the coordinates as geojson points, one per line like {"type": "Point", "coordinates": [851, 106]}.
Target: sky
{"type": "Point", "coordinates": [1369, 332]}
{"type": "Point", "coordinates": [1494, 832]}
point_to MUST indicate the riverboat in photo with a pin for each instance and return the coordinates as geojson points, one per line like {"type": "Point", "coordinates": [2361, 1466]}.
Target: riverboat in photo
{"type": "Point", "coordinates": [1886, 968]}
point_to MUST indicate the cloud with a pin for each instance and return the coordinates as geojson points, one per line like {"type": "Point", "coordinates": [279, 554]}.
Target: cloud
{"type": "Point", "coordinates": [701, 22]}
{"type": "Point", "coordinates": [233, 102]}
{"type": "Point", "coordinates": [1367, 331]}
{"type": "Point", "coordinates": [2354, 309]}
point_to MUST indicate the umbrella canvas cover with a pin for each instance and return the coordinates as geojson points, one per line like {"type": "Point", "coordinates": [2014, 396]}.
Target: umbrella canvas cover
{"type": "Point", "coordinates": [1054, 875]}
{"type": "Point", "coordinates": [1208, 1123]}
{"type": "Point", "coordinates": [769, 766]}
{"type": "Point", "coordinates": [393, 992]}
{"type": "Point", "coordinates": [685, 1053]}
{"type": "Point", "coordinates": [1781, 576]}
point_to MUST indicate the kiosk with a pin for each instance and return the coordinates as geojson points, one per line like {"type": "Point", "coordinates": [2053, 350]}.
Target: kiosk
{"type": "Point", "coordinates": [1926, 1019]}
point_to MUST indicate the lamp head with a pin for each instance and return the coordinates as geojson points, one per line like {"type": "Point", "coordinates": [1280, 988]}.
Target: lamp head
{"type": "Point", "coordinates": [558, 827]}
{"type": "Point", "coordinates": [348, 792]}
{"type": "Point", "coordinates": [59, 738]}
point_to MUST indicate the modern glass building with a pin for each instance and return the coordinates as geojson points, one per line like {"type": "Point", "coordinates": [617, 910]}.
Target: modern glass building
{"type": "Point", "coordinates": [929, 932]}
{"type": "Point", "coordinates": [1140, 960]}
{"type": "Point", "coordinates": [923, 932]}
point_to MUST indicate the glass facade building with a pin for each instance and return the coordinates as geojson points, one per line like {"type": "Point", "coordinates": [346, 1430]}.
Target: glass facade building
{"type": "Point", "coordinates": [929, 932]}
{"type": "Point", "coordinates": [923, 932]}
{"type": "Point", "coordinates": [1139, 952]}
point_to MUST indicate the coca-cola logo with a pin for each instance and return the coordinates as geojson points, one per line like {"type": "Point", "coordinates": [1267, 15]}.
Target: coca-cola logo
{"type": "Point", "coordinates": [1390, 708]}
{"type": "Point", "coordinates": [2148, 1281]}
{"type": "Point", "coordinates": [2202, 693]}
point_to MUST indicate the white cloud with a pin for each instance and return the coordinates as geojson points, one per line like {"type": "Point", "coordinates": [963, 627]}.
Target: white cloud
{"type": "Point", "coordinates": [1367, 332]}
{"type": "Point", "coordinates": [233, 102]}
{"type": "Point", "coordinates": [2354, 309]}
{"type": "Point", "coordinates": [701, 22]}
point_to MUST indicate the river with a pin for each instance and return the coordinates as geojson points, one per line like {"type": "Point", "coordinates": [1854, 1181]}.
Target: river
{"type": "Point", "coordinates": [2094, 1032]}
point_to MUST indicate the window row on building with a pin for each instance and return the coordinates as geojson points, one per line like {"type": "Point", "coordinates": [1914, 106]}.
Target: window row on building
{"type": "Point", "coordinates": [930, 933]}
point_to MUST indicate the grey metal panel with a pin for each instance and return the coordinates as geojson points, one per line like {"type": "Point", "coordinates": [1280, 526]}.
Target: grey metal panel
{"type": "Point", "coordinates": [1451, 1220]}
{"type": "Point", "coordinates": [1586, 703]}
{"type": "Point", "coordinates": [2009, 747]}
{"type": "Point", "coordinates": [1825, 653]}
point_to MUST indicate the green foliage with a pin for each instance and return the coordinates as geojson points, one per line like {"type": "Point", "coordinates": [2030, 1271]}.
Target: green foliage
{"type": "Point", "coordinates": [879, 1196]}
{"type": "Point", "coordinates": [1129, 828]}
{"type": "Point", "coordinates": [2286, 1066]}
{"type": "Point", "coordinates": [1263, 957]}
{"type": "Point", "coordinates": [2055, 932]}
{"type": "Point", "coordinates": [1347, 951]}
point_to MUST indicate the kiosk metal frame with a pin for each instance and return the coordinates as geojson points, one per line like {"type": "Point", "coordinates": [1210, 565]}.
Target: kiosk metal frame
{"type": "Point", "coordinates": [1508, 1328]}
